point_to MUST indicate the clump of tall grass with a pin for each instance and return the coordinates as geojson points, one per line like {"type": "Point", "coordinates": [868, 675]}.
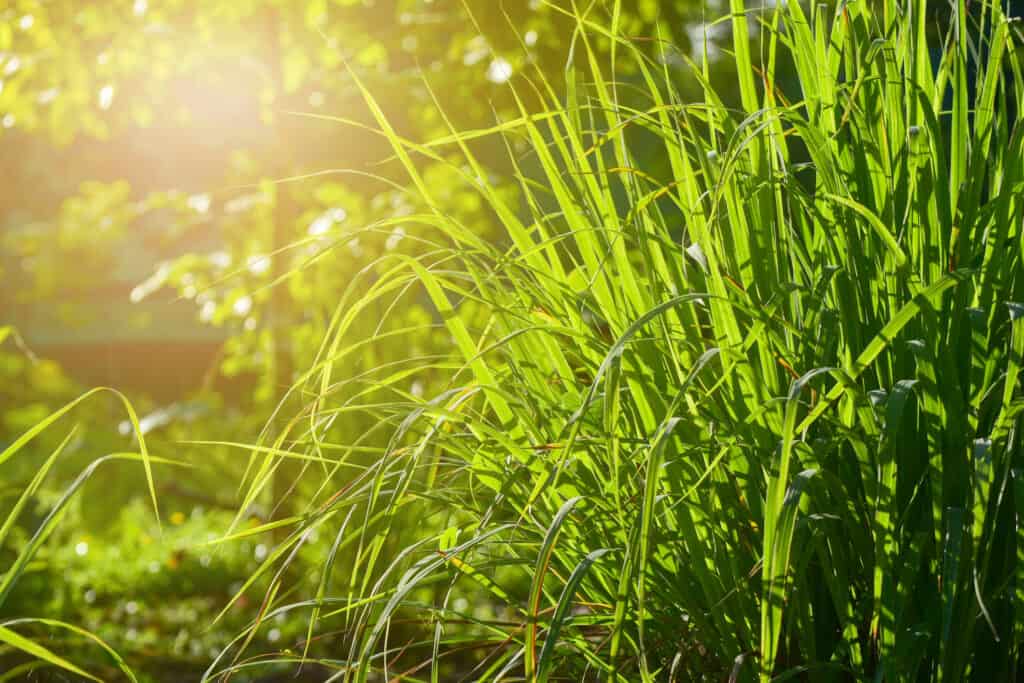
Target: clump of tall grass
{"type": "Point", "coordinates": [25, 555]}
{"type": "Point", "coordinates": [751, 412]}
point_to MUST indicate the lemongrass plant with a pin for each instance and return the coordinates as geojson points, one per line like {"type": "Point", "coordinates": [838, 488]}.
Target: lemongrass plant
{"type": "Point", "coordinates": [752, 417]}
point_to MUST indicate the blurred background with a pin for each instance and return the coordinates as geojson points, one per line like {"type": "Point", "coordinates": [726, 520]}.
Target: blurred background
{"type": "Point", "coordinates": [185, 195]}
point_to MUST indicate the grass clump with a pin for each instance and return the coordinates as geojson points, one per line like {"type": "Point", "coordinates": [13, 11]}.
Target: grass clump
{"type": "Point", "coordinates": [750, 409]}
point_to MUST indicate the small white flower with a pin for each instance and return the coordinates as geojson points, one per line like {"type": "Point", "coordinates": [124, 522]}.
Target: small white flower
{"type": "Point", "coordinates": [106, 96]}
{"type": "Point", "coordinates": [394, 238]}
{"type": "Point", "coordinates": [207, 310]}
{"type": "Point", "coordinates": [242, 306]}
{"type": "Point", "coordinates": [200, 203]}
{"type": "Point", "coordinates": [499, 70]}
{"type": "Point", "coordinates": [258, 264]}
{"type": "Point", "coordinates": [476, 51]}
{"type": "Point", "coordinates": [221, 259]}
{"type": "Point", "coordinates": [321, 225]}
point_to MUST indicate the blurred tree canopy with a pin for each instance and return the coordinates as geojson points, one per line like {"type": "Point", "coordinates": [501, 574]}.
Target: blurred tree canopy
{"type": "Point", "coordinates": [159, 128]}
